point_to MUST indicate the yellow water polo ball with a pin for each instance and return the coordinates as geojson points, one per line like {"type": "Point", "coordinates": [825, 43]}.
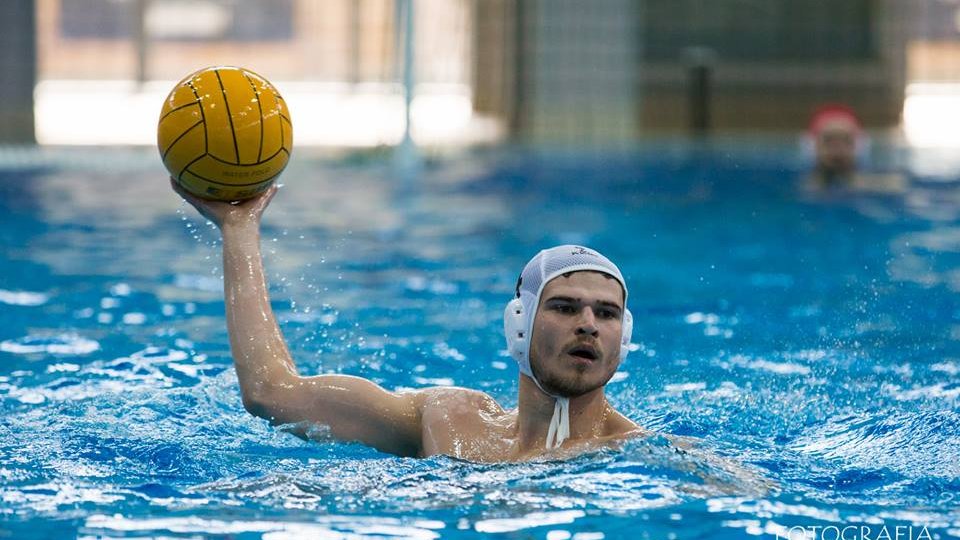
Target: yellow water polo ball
{"type": "Point", "coordinates": [225, 133]}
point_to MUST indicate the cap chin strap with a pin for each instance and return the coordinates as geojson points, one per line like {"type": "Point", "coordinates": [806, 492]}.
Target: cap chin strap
{"type": "Point", "coordinates": [559, 430]}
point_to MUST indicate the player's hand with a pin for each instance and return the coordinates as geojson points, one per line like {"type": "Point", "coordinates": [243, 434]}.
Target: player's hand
{"type": "Point", "coordinates": [246, 212]}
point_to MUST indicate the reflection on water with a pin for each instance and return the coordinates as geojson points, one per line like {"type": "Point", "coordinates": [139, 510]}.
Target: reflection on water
{"type": "Point", "coordinates": [325, 527]}
{"type": "Point", "coordinates": [814, 344]}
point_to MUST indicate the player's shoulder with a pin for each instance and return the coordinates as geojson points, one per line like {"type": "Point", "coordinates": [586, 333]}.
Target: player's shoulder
{"type": "Point", "coordinates": [457, 399]}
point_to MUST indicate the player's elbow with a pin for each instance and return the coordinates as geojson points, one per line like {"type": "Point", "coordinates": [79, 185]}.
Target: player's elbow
{"type": "Point", "coordinates": [271, 400]}
{"type": "Point", "coordinates": [262, 405]}
{"type": "Point", "coordinates": [255, 405]}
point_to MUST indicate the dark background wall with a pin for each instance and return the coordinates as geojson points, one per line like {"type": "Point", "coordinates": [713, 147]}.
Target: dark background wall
{"type": "Point", "coordinates": [771, 63]}
{"type": "Point", "coordinates": [18, 68]}
{"type": "Point", "coordinates": [757, 64]}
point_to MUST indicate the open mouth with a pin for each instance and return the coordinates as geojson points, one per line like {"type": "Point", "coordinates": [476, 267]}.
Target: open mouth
{"type": "Point", "coordinates": [585, 352]}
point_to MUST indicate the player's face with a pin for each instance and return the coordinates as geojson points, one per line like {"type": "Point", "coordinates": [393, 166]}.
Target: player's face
{"type": "Point", "coordinates": [837, 146]}
{"type": "Point", "coordinates": [575, 345]}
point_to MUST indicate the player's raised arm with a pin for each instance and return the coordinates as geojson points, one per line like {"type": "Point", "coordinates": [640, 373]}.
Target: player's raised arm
{"type": "Point", "coordinates": [351, 407]}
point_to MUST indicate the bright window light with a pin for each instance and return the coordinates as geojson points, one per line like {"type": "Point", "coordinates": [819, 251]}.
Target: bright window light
{"type": "Point", "coordinates": [931, 114]}
{"type": "Point", "coordinates": [324, 114]}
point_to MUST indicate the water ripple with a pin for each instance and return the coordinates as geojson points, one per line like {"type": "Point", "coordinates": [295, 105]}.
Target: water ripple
{"type": "Point", "coordinates": [60, 344]}
{"type": "Point", "coordinates": [913, 444]}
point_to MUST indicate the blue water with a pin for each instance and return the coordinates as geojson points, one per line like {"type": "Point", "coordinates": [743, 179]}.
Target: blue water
{"type": "Point", "coordinates": [816, 343]}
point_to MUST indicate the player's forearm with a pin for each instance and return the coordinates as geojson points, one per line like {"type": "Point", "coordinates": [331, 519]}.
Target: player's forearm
{"type": "Point", "coordinates": [259, 351]}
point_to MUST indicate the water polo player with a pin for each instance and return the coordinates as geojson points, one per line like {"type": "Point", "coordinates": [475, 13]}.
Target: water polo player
{"type": "Point", "coordinates": [568, 328]}
{"type": "Point", "coordinates": [838, 142]}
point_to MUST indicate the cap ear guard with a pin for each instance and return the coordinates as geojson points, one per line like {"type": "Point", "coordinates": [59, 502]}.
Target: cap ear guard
{"type": "Point", "coordinates": [626, 333]}
{"type": "Point", "coordinates": [514, 328]}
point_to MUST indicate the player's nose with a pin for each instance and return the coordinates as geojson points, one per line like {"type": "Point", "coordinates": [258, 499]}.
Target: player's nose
{"type": "Point", "coordinates": [587, 322]}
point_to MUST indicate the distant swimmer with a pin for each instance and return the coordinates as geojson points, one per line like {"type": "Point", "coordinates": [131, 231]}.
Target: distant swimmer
{"type": "Point", "coordinates": [837, 138]}
{"type": "Point", "coordinates": [567, 327]}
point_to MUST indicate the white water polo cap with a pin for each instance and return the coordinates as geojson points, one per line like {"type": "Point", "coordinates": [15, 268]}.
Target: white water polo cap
{"type": "Point", "coordinates": [520, 312]}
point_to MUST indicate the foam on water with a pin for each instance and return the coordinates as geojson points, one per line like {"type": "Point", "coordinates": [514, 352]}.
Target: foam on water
{"type": "Point", "coordinates": [63, 344]}
{"type": "Point", "coordinates": [23, 298]}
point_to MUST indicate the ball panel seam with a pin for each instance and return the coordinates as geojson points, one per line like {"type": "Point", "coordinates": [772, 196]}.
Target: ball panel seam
{"type": "Point", "coordinates": [203, 118]}
{"type": "Point", "coordinates": [226, 103]}
{"type": "Point", "coordinates": [211, 181]}
{"type": "Point", "coordinates": [261, 162]}
{"type": "Point", "coordinates": [182, 135]}
{"type": "Point", "coordinates": [187, 167]}
{"type": "Point", "coordinates": [260, 109]}
{"type": "Point", "coordinates": [175, 109]}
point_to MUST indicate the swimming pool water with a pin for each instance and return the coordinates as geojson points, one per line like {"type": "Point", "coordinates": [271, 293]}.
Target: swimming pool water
{"type": "Point", "coordinates": [817, 343]}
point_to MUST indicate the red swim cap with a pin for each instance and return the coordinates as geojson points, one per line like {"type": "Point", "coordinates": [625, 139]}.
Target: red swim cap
{"type": "Point", "coordinates": [827, 113]}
